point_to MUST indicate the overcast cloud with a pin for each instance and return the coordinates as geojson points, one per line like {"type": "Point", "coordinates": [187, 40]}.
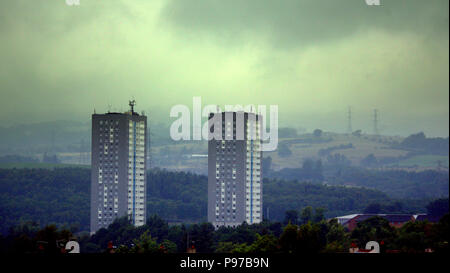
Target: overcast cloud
{"type": "Point", "coordinates": [313, 58]}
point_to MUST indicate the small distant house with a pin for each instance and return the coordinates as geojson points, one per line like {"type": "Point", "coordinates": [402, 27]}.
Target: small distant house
{"type": "Point", "coordinates": [426, 217]}
{"type": "Point", "coordinates": [395, 220]}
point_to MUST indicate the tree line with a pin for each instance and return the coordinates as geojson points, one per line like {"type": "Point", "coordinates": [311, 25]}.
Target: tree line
{"type": "Point", "coordinates": [316, 235]}
{"type": "Point", "coordinates": [62, 196]}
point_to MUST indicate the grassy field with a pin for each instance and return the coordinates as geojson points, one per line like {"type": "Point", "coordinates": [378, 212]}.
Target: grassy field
{"type": "Point", "coordinates": [302, 148]}
{"type": "Point", "coordinates": [178, 157]}
{"type": "Point", "coordinates": [362, 147]}
{"type": "Point", "coordinates": [427, 161]}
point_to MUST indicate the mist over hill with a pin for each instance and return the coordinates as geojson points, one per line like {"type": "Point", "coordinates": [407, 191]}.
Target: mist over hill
{"type": "Point", "coordinates": [69, 142]}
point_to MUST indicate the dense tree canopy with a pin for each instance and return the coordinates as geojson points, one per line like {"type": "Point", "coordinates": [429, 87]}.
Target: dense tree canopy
{"type": "Point", "coordinates": [61, 196]}
{"type": "Point", "coordinates": [267, 237]}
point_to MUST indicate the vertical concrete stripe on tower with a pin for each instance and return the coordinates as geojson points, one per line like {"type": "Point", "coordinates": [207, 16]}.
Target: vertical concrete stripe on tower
{"type": "Point", "coordinates": [251, 181]}
{"type": "Point", "coordinates": [134, 171]}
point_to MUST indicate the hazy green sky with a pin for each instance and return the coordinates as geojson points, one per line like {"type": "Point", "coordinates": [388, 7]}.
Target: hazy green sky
{"type": "Point", "coordinates": [312, 58]}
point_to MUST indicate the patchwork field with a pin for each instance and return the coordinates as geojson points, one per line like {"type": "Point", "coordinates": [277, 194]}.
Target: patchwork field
{"type": "Point", "coordinates": [426, 161]}
{"type": "Point", "coordinates": [192, 156]}
{"type": "Point", "coordinates": [179, 156]}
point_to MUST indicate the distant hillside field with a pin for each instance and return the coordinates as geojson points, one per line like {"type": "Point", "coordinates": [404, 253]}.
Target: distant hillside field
{"type": "Point", "coordinates": [427, 161]}
{"type": "Point", "coordinates": [70, 142]}
{"type": "Point", "coordinates": [387, 150]}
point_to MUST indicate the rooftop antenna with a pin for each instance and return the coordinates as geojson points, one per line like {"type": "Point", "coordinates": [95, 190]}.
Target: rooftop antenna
{"type": "Point", "coordinates": [132, 103]}
{"type": "Point", "coordinates": [349, 119]}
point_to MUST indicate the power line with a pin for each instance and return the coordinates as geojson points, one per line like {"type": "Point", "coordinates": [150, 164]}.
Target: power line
{"type": "Point", "coordinates": [375, 122]}
{"type": "Point", "coordinates": [349, 120]}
